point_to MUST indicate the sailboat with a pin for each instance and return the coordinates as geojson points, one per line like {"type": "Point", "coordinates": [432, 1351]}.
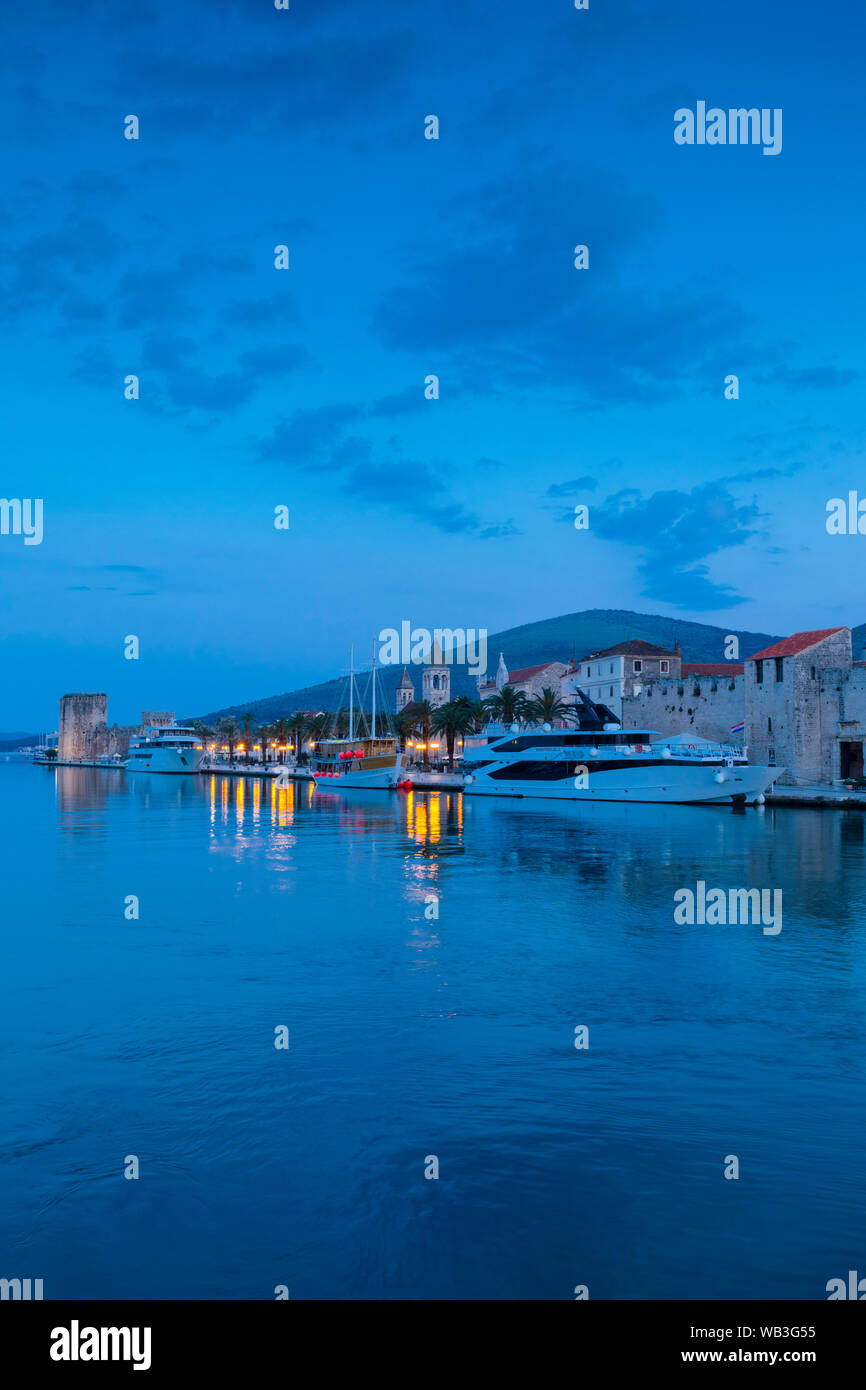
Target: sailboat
{"type": "Point", "coordinates": [361, 761]}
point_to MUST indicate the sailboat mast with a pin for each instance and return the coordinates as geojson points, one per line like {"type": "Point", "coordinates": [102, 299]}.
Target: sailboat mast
{"type": "Point", "coordinates": [351, 692]}
{"type": "Point", "coordinates": [373, 735]}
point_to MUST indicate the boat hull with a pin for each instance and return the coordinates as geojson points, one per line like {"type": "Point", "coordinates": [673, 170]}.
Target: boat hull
{"type": "Point", "coordinates": [179, 761]}
{"type": "Point", "coordinates": [374, 774]}
{"type": "Point", "coordinates": [668, 783]}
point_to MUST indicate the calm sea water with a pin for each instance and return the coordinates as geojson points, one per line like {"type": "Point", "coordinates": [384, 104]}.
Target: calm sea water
{"type": "Point", "coordinates": [413, 1036]}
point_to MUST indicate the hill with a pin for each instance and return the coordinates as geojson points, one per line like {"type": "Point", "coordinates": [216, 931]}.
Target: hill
{"type": "Point", "coordinates": [571, 635]}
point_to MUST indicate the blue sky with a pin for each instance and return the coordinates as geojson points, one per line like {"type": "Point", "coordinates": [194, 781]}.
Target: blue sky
{"type": "Point", "coordinates": [409, 257]}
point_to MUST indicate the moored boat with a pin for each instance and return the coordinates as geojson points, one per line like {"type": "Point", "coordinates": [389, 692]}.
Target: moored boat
{"type": "Point", "coordinates": [598, 760]}
{"type": "Point", "coordinates": [166, 748]}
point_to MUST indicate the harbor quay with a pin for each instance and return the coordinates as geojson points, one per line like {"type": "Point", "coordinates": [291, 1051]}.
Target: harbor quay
{"type": "Point", "coordinates": [798, 706]}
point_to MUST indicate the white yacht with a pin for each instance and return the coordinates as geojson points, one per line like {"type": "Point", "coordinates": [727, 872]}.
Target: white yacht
{"type": "Point", "coordinates": [598, 760]}
{"type": "Point", "coordinates": [166, 748]}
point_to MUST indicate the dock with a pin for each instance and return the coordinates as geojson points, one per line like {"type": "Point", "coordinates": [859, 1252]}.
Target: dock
{"type": "Point", "coordinates": [828, 794]}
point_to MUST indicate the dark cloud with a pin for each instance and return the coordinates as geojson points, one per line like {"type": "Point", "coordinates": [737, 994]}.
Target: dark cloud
{"type": "Point", "coordinates": [507, 303]}
{"type": "Point", "coordinates": [677, 531]}
{"type": "Point", "coordinates": [317, 438]}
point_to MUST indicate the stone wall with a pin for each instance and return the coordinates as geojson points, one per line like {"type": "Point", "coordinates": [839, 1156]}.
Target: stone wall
{"type": "Point", "coordinates": [706, 706]}
{"type": "Point", "coordinates": [119, 736]}
{"type": "Point", "coordinates": [83, 727]}
{"type": "Point", "coordinates": [795, 721]}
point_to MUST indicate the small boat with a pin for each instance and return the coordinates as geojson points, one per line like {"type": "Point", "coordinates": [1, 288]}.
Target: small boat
{"type": "Point", "coordinates": [166, 748]}
{"type": "Point", "coordinates": [357, 763]}
{"type": "Point", "coordinates": [351, 764]}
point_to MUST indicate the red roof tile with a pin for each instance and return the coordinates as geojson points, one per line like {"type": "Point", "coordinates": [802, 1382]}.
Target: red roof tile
{"type": "Point", "coordinates": [798, 642]}
{"type": "Point", "coordinates": [527, 672]}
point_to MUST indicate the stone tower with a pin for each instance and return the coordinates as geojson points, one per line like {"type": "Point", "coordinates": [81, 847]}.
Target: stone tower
{"type": "Point", "coordinates": [405, 691]}
{"type": "Point", "coordinates": [436, 680]}
{"type": "Point", "coordinates": [83, 728]}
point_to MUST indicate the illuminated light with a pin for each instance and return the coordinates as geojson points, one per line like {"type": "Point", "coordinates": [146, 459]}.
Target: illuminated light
{"type": "Point", "coordinates": [420, 745]}
{"type": "Point", "coordinates": [409, 743]}
{"type": "Point", "coordinates": [284, 747]}
{"type": "Point", "coordinates": [241, 748]}
{"type": "Point", "coordinates": [435, 745]}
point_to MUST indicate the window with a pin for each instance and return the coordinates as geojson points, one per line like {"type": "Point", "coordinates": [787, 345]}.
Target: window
{"type": "Point", "coordinates": [813, 673]}
{"type": "Point", "coordinates": [637, 666]}
{"type": "Point", "coordinates": [610, 669]}
{"type": "Point", "coordinates": [769, 725]}
{"type": "Point", "coordinates": [611, 690]}
{"type": "Point", "coordinates": [779, 664]}
{"type": "Point", "coordinates": [664, 667]}
{"type": "Point", "coordinates": [759, 672]}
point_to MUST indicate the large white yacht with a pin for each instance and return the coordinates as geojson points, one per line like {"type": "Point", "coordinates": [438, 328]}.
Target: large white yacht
{"type": "Point", "coordinates": [165, 748]}
{"type": "Point", "coordinates": [598, 760]}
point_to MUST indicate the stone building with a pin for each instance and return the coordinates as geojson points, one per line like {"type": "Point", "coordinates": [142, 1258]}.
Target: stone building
{"type": "Point", "coordinates": [83, 728]}
{"type": "Point", "coordinates": [405, 691]}
{"type": "Point", "coordinates": [527, 680]}
{"type": "Point", "coordinates": [436, 681]}
{"type": "Point", "coordinates": [708, 700]}
{"type": "Point", "coordinates": [624, 670]}
{"type": "Point", "coordinates": [802, 702]}
{"type": "Point", "coordinates": [806, 707]}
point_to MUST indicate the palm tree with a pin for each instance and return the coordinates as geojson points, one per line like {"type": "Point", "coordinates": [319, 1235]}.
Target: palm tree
{"type": "Point", "coordinates": [548, 707]}
{"type": "Point", "coordinates": [422, 723]}
{"type": "Point", "coordinates": [263, 733]}
{"type": "Point", "coordinates": [204, 733]}
{"type": "Point", "coordinates": [317, 726]}
{"type": "Point", "coordinates": [452, 719]}
{"type": "Point", "coordinates": [509, 706]}
{"type": "Point", "coordinates": [478, 711]}
{"type": "Point", "coordinates": [292, 731]}
{"type": "Point", "coordinates": [404, 725]}
{"type": "Point", "coordinates": [228, 731]}
{"type": "Point", "coordinates": [247, 725]}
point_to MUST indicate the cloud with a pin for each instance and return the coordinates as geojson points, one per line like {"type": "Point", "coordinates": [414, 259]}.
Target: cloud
{"type": "Point", "coordinates": [505, 301]}
{"type": "Point", "coordinates": [318, 438]}
{"type": "Point", "coordinates": [677, 531]}
{"type": "Point", "coordinates": [567, 489]}
{"type": "Point", "coordinates": [815, 378]}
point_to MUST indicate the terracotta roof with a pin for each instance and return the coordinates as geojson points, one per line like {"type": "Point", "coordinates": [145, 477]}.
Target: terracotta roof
{"type": "Point", "coordinates": [710, 668]}
{"type": "Point", "coordinates": [527, 672]}
{"type": "Point", "coordinates": [635, 646]}
{"type": "Point", "coordinates": [798, 642]}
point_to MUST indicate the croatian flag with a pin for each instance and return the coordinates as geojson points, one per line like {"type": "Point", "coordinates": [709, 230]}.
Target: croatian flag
{"type": "Point", "coordinates": [738, 728]}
